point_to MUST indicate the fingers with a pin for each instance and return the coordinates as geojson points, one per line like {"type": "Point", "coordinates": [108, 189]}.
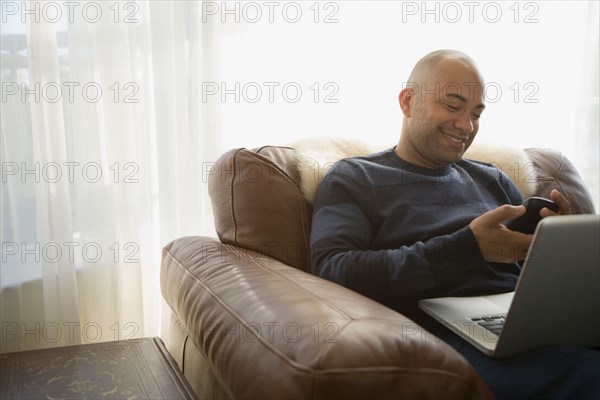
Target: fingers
{"type": "Point", "coordinates": [563, 204]}
{"type": "Point", "coordinates": [503, 213]}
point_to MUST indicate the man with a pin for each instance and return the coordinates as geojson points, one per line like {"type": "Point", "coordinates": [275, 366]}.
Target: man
{"type": "Point", "coordinates": [419, 221]}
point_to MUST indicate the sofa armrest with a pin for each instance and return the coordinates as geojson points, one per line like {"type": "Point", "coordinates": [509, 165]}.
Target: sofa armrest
{"type": "Point", "coordinates": [552, 170]}
{"type": "Point", "coordinates": [269, 330]}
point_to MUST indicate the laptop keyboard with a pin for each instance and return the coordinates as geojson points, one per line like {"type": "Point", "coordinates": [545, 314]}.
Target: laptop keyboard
{"type": "Point", "coordinates": [492, 323]}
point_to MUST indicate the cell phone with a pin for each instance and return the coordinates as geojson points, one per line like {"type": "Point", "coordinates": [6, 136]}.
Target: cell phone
{"type": "Point", "coordinates": [527, 222]}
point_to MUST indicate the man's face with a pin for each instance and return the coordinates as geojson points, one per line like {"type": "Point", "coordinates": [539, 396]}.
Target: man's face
{"type": "Point", "coordinates": [445, 115]}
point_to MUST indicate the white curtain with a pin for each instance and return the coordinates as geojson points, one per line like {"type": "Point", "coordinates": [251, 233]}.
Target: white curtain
{"type": "Point", "coordinates": [102, 149]}
{"type": "Point", "coordinates": [114, 112]}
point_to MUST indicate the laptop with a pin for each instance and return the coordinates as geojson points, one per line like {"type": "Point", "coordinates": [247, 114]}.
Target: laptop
{"type": "Point", "coordinates": [556, 300]}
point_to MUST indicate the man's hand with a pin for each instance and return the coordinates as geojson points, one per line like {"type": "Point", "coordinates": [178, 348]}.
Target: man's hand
{"type": "Point", "coordinates": [496, 242]}
{"type": "Point", "coordinates": [563, 204]}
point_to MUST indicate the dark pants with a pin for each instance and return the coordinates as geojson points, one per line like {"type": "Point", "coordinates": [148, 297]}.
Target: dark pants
{"type": "Point", "coordinates": [558, 372]}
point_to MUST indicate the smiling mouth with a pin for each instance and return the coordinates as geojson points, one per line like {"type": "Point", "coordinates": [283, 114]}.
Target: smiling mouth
{"type": "Point", "coordinates": [455, 139]}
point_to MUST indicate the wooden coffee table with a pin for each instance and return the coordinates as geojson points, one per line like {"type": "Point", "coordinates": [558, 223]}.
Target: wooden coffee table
{"type": "Point", "coordinates": [128, 369]}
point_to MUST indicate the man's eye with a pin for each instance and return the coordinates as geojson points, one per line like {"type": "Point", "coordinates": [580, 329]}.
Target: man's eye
{"type": "Point", "coordinates": [452, 107]}
{"type": "Point", "coordinates": [476, 116]}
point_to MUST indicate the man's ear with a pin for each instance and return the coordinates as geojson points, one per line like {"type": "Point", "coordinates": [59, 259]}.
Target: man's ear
{"type": "Point", "coordinates": [405, 99]}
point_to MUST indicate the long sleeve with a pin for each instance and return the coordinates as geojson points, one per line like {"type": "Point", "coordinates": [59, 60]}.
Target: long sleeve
{"type": "Point", "coordinates": [392, 233]}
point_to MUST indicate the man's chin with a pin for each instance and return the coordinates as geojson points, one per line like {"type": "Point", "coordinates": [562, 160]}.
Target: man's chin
{"type": "Point", "coordinates": [448, 155]}
{"type": "Point", "coordinates": [459, 157]}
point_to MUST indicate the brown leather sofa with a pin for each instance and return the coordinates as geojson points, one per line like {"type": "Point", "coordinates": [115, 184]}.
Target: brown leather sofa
{"type": "Point", "coordinates": [250, 321]}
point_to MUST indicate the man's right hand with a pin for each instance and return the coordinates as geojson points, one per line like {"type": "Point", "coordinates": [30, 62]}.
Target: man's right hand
{"type": "Point", "coordinates": [496, 242]}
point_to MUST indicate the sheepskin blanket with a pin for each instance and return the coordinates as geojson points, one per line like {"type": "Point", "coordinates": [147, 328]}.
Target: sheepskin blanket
{"type": "Point", "coordinates": [315, 156]}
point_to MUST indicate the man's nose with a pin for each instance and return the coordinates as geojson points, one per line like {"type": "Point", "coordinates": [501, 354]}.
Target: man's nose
{"type": "Point", "coordinates": [464, 122]}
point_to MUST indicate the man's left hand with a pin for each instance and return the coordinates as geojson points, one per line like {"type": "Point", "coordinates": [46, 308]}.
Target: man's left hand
{"type": "Point", "coordinates": [563, 204]}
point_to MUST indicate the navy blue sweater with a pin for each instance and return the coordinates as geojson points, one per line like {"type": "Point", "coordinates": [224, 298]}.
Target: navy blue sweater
{"type": "Point", "coordinates": [398, 233]}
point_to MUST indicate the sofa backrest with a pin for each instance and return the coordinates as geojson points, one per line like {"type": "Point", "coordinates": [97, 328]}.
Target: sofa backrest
{"type": "Point", "coordinates": [258, 202]}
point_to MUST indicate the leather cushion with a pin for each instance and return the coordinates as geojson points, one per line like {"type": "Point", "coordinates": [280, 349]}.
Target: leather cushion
{"type": "Point", "coordinates": [268, 330]}
{"type": "Point", "coordinates": [258, 204]}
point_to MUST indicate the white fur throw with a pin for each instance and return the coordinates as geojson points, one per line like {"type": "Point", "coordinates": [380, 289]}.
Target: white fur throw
{"type": "Point", "coordinates": [315, 156]}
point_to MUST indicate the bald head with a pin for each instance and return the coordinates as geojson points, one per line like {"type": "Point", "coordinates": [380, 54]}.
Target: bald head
{"type": "Point", "coordinates": [432, 66]}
